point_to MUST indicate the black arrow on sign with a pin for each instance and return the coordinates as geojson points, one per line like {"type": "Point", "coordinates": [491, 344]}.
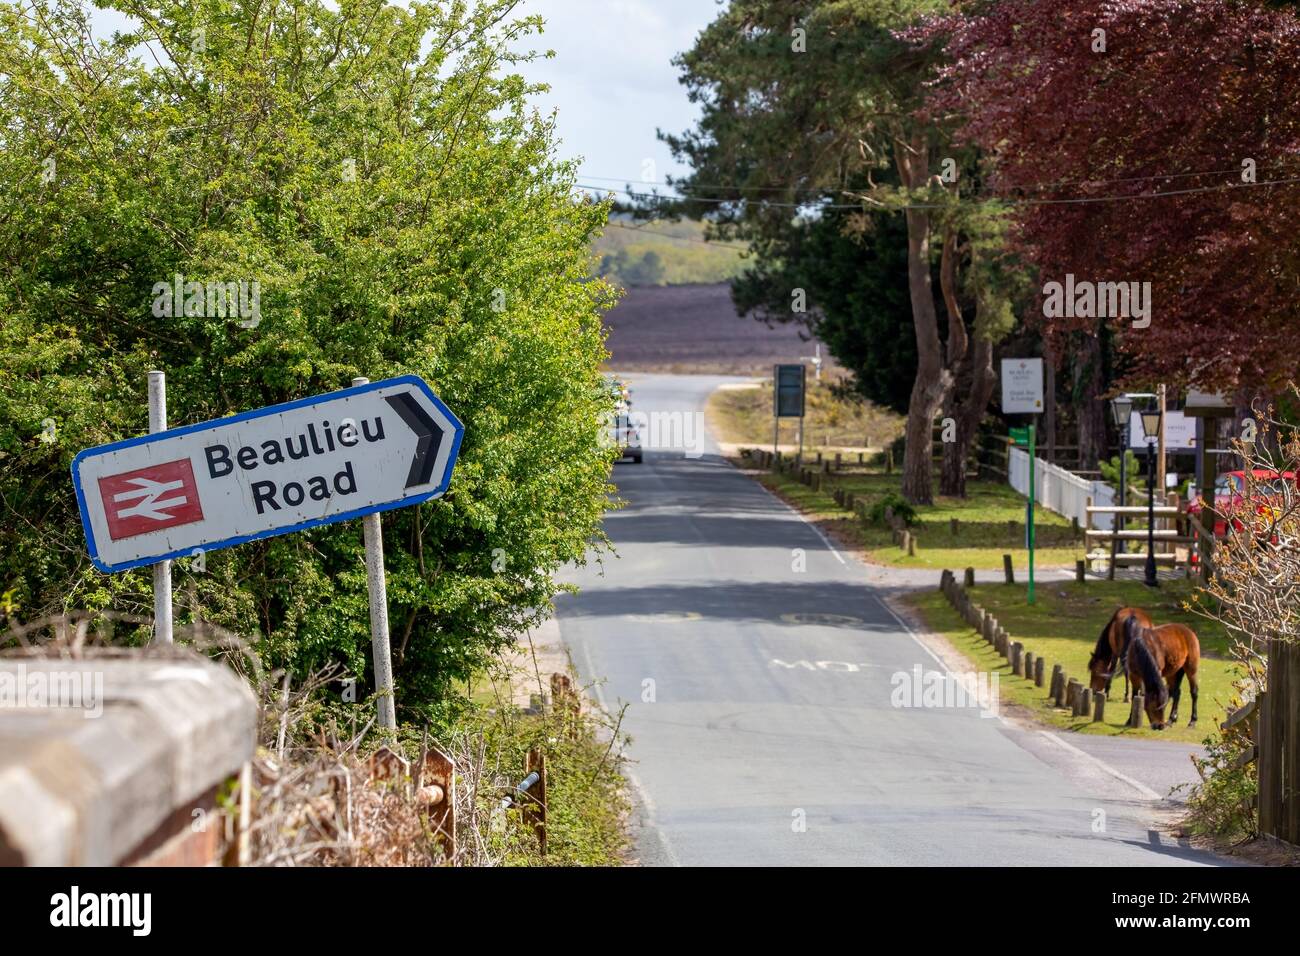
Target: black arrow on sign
{"type": "Point", "coordinates": [428, 433]}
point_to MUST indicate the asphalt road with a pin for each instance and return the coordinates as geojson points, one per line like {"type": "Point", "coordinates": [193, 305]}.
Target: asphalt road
{"type": "Point", "coordinates": [762, 676]}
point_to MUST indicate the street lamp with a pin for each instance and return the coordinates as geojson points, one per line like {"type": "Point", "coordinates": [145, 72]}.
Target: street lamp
{"type": "Point", "coordinates": [1151, 431]}
{"type": "Point", "coordinates": [1121, 407]}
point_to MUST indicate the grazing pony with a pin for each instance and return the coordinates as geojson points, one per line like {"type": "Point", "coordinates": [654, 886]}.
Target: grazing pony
{"type": "Point", "coordinates": [1158, 657]}
{"type": "Point", "coordinates": [1112, 647]}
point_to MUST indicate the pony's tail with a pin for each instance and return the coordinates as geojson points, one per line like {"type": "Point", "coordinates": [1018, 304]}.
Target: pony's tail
{"type": "Point", "coordinates": [1147, 667]}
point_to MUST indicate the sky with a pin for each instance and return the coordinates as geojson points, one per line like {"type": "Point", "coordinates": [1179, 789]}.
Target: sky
{"type": "Point", "coordinates": [613, 82]}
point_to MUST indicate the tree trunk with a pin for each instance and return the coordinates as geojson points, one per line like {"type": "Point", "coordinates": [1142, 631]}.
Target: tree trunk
{"type": "Point", "coordinates": [1049, 403]}
{"type": "Point", "coordinates": [933, 381]}
{"type": "Point", "coordinates": [1090, 410]}
{"type": "Point", "coordinates": [969, 414]}
{"type": "Point", "coordinates": [952, 475]}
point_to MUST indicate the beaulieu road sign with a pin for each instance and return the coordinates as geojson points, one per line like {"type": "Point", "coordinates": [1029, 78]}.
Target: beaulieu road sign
{"type": "Point", "coordinates": [271, 471]}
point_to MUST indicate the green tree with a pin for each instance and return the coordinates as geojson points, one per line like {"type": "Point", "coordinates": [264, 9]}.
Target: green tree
{"type": "Point", "coordinates": [802, 103]}
{"type": "Point", "coordinates": [380, 171]}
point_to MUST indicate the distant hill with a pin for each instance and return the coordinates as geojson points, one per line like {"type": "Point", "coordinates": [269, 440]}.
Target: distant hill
{"type": "Point", "coordinates": [694, 328]}
{"type": "Point", "coordinates": [662, 253]}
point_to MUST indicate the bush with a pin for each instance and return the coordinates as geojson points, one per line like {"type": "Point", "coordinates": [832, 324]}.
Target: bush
{"type": "Point", "coordinates": [900, 508]}
{"type": "Point", "coordinates": [402, 212]}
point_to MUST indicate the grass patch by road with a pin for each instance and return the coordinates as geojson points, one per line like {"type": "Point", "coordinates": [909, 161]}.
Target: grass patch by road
{"type": "Point", "coordinates": [1063, 626]}
{"type": "Point", "coordinates": [990, 523]}
{"type": "Point", "coordinates": [743, 416]}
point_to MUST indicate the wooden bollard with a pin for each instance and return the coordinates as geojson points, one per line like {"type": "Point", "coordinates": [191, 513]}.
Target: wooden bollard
{"type": "Point", "coordinates": [1016, 666]}
{"type": "Point", "coordinates": [1085, 702]}
{"type": "Point", "coordinates": [861, 458]}
{"type": "Point", "coordinates": [819, 458]}
{"type": "Point", "coordinates": [904, 540]}
{"type": "Point", "coordinates": [1135, 712]}
{"type": "Point", "coordinates": [1029, 665]}
{"type": "Point", "coordinates": [1098, 707]}
{"type": "Point", "coordinates": [1007, 571]}
{"type": "Point", "coordinates": [1081, 571]}
{"type": "Point", "coordinates": [1040, 665]}
{"type": "Point", "coordinates": [1059, 699]}
{"type": "Point", "coordinates": [534, 803]}
{"type": "Point", "coordinates": [837, 461]}
{"type": "Point", "coordinates": [911, 545]}
{"type": "Point", "coordinates": [954, 526]}
{"type": "Point", "coordinates": [1071, 695]}
{"type": "Point", "coordinates": [970, 577]}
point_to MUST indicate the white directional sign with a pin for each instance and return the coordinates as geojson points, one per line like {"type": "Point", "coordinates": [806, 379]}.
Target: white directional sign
{"type": "Point", "coordinates": [1022, 386]}
{"type": "Point", "coordinates": [271, 471]}
{"type": "Point", "coordinates": [1180, 432]}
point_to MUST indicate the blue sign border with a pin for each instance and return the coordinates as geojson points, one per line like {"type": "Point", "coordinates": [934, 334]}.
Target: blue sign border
{"type": "Point", "coordinates": [262, 413]}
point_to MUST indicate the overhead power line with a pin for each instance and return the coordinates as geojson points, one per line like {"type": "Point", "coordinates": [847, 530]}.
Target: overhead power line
{"type": "Point", "coordinates": [1007, 200]}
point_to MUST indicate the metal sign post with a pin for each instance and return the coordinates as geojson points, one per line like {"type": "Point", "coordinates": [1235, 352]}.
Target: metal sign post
{"type": "Point", "coordinates": [788, 397]}
{"type": "Point", "coordinates": [162, 571]}
{"type": "Point", "coordinates": [1027, 438]}
{"type": "Point", "coordinates": [1029, 528]}
{"type": "Point", "coordinates": [381, 649]}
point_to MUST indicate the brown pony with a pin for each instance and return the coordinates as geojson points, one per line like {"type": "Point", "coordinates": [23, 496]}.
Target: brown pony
{"type": "Point", "coordinates": [1112, 648]}
{"type": "Point", "coordinates": [1158, 657]}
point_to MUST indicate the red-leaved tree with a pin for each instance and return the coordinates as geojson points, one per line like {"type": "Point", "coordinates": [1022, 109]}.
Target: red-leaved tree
{"type": "Point", "coordinates": [1146, 141]}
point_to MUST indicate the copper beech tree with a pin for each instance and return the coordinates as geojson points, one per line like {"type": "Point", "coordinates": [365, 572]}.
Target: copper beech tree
{"type": "Point", "coordinates": [1146, 141]}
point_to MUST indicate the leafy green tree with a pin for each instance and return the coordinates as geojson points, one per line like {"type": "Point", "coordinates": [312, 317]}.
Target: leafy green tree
{"type": "Point", "coordinates": [808, 106]}
{"type": "Point", "coordinates": [855, 282]}
{"type": "Point", "coordinates": [380, 172]}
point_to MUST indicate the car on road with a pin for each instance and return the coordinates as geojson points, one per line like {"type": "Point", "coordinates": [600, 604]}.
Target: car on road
{"type": "Point", "coordinates": [1271, 492]}
{"type": "Point", "coordinates": [625, 433]}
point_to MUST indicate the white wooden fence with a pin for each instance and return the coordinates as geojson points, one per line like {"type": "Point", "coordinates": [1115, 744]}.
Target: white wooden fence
{"type": "Point", "coordinates": [1060, 491]}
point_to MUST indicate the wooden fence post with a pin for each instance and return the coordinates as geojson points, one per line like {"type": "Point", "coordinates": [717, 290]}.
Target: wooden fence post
{"type": "Point", "coordinates": [437, 787]}
{"type": "Point", "coordinates": [1135, 712]}
{"type": "Point", "coordinates": [535, 798]}
{"type": "Point", "coordinates": [1007, 571]}
{"type": "Point", "coordinates": [1039, 667]}
{"type": "Point", "coordinates": [1099, 707]}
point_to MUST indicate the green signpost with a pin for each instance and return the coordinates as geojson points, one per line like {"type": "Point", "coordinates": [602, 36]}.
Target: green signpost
{"type": "Point", "coordinates": [1024, 438]}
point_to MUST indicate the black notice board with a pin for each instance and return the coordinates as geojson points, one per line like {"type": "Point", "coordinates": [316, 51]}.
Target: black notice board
{"type": "Point", "coordinates": [789, 391]}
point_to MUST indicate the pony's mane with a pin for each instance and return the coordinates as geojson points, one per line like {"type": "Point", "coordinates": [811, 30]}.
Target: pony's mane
{"type": "Point", "coordinates": [1146, 662]}
{"type": "Point", "coordinates": [1102, 651]}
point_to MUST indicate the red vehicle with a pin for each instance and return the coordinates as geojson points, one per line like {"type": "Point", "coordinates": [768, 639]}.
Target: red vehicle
{"type": "Point", "coordinates": [1272, 492]}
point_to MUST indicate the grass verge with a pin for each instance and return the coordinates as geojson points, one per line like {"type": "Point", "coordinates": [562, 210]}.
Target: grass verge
{"type": "Point", "coordinates": [1063, 626]}
{"type": "Point", "coordinates": [743, 416]}
{"type": "Point", "coordinates": [990, 523]}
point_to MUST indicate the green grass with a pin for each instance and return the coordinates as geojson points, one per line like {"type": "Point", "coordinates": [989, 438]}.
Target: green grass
{"type": "Point", "coordinates": [743, 416]}
{"type": "Point", "coordinates": [983, 533]}
{"type": "Point", "coordinates": [1063, 626]}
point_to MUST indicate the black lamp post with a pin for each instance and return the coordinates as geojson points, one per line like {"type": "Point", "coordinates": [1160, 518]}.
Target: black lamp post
{"type": "Point", "coordinates": [1151, 430]}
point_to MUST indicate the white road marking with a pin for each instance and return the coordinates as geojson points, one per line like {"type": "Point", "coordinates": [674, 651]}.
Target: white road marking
{"type": "Point", "coordinates": [642, 794]}
{"type": "Point", "coordinates": [1140, 787]}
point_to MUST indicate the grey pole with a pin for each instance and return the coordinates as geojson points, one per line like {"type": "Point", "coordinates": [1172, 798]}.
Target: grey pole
{"type": "Point", "coordinates": [162, 571]}
{"type": "Point", "coordinates": [381, 649]}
